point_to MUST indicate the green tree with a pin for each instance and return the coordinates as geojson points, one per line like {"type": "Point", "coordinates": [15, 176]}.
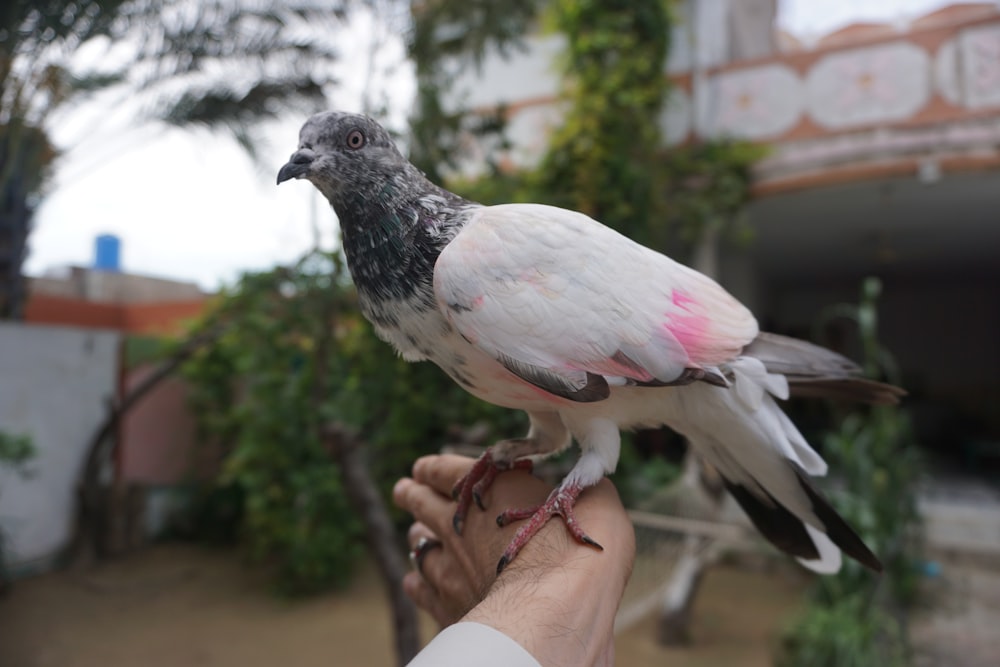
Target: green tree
{"type": "Point", "coordinates": [295, 358]}
{"type": "Point", "coordinates": [315, 419]}
{"type": "Point", "coordinates": [856, 618]}
{"type": "Point", "coordinates": [253, 391]}
{"type": "Point", "coordinates": [216, 63]}
{"type": "Point", "coordinates": [607, 158]}
{"type": "Point", "coordinates": [602, 160]}
{"type": "Point", "coordinates": [447, 37]}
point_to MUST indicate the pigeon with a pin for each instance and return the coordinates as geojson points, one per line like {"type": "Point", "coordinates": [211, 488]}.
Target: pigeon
{"type": "Point", "coordinates": [546, 310]}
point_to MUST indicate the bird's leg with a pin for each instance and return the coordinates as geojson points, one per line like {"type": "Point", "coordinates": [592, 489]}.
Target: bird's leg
{"type": "Point", "coordinates": [486, 481]}
{"type": "Point", "coordinates": [561, 501]}
{"type": "Point", "coordinates": [547, 435]}
{"type": "Point", "coordinates": [601, 444]}
{"type": "Point", "coordinates": [480, 477]}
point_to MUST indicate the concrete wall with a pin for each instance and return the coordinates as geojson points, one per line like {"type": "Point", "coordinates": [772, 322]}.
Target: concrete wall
{"type": "Point", "coordinates": [115, 287]}
{"type": "Point", "coordinates": [865, 102]}
{"type": "Point", "coordinates": [54, 386]}
{"type": "Point", "coordinates": [158, 434]}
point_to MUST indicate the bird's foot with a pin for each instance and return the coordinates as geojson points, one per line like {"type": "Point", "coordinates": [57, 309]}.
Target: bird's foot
{"type": "Point", "coordinates": [480, 477]}
{"type": "Point", "coordinates": [561, 501]}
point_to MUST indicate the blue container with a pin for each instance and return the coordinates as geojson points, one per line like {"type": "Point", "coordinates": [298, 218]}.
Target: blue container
{"type": "Point", "coordinates": [107, 253]}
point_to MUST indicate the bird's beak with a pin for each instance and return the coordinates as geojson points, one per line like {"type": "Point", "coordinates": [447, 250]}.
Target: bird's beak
{"type": "Point", "coordinates": [297, 166]}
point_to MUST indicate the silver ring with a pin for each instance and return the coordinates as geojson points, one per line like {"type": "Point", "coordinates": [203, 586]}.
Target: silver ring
{"type": "Point", "coordinates": [419, 552]}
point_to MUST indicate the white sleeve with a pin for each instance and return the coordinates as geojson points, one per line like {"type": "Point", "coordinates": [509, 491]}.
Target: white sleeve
{"type": "Point", "coordinates": [470, 643]}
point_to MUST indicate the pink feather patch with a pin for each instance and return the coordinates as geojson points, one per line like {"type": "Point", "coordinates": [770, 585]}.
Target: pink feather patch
{"type": "Point", "coordinates": [690, 328]}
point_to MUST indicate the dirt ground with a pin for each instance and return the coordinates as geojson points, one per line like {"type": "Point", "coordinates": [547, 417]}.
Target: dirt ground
{"type": "Point", "coordinates": [174, 605]}
{"type": "Point", "coordinates": [957, 623]}
{"type": "Point", "coordinates": [181, 605]}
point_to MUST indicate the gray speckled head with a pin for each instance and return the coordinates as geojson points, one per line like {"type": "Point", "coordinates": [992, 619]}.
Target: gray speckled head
{"type": "Point", "coordinates": [339, 151]}
{"type": "Point", "coordinates": [393, 219]}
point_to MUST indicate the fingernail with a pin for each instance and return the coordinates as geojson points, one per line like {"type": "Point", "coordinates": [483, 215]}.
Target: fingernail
{"type": "Point", "coordinates": [420, 466]}
{"type": "Point", "coordinates": [400, 486]}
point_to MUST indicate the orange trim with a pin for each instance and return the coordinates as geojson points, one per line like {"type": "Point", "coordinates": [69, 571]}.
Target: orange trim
{"type": "Point", "coordinates": [930, 38]}
{"type": "Point", "coordinates": [46, 309]}
{"type": "Point", "coordinates": [514, 108]}
{"type": "Point", "coordinates": [163, 318]}
{"type": "Point", "coordinates": [867, 172]}
{"type": "Point", "coordinates": [138, 318]}
{"type": "Point", "coordinates": [801, 61]}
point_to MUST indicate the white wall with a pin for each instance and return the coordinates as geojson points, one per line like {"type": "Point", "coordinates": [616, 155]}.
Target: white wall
{"type": "Point", "coordinates": [55, 383]}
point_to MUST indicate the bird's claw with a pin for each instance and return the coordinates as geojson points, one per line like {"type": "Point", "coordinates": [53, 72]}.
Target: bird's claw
{"type": "Point", "coordinates": [561, 501]}
{"type": "Point", "coordinates": [477, 497]}
{"type": "Point", "coordinates": [471, 488]}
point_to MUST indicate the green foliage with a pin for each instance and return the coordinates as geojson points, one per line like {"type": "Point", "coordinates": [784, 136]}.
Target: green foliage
{"type": "Point", "coordinates": [876, 453]}
{"type": "Point", "coordinates": [25, 158]}
{"type": "Point", "coordinates": [500, 188]}
{"type": "Point", "coordinates": [876, 456]}
{"type": "Point", "coordinates": [220, 64]}
{"type": "Point", "coordinates": [297, 355]}
{"type": "Point", "coordinates": [639, 477]}
{"type": "Point", "coordinates": [404, 410]}
{"type": "Point", "coordinates": [448, 36]}
{"type": "Point", "coordinates": [602, 158]}
{"type": "Point", "coordinates": [606, 159]}
{"type": "Point", "coordinates": [142, 349]}
{"type": "Point", "coordinates": [16, 452]}
{"type": "Point", "coordinates": [273, 48]}
{"type": "Point", "coordinates": [254, 395]}
{"type": "Point", "coordinates": [706, 184]}
{"type": "Point", "coordinates": [849, 621]}
{"type": "Point", "coordinates": [848, 632]}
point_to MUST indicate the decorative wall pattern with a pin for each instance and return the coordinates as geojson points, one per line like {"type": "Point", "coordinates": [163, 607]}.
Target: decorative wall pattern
{"type": "Point", "coordinates": [877, 84]}
{"type": "Point", "coordinates": [980, 49]}
{"type": "Point", "coordinates": [907, 95]}
{"type": "Point", "coordinates": [754, 103]}
{"type": "Point", "coordinates": [945, 73]}
{"type": "Point", "coordinates": [844, 90]}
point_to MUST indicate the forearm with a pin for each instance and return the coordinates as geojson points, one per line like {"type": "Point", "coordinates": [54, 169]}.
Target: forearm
{"type": "Point", "coordinates": [573, 600]}
{"type": "Point", "coordinates": [557, 600]}
{"type": "Point", "coordinates": [553, 629]}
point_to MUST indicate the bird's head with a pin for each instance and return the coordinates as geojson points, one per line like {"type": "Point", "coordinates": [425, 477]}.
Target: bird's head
{"type": "Point", "coordinates": [340, 152]}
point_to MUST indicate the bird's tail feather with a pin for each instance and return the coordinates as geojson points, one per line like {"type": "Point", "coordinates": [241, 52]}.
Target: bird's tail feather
{"type": "Point", "coordinates": [816, 372]}
{"type": "Point", "coordinates": [765, 463]}
{"type": "Point", "coordinates": [819, 550]}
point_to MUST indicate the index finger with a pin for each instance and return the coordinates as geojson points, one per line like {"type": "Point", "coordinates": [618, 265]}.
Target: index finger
{"type": "Point", "coordinates": [441, 472]}
{"type": "Point", "coordinates": [427, 506]}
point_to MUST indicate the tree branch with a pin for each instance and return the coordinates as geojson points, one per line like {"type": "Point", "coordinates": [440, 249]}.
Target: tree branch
{"type": "Point", "coordinates": [347, 450]}
{"type": "Point", "coordinates": [85, 541]}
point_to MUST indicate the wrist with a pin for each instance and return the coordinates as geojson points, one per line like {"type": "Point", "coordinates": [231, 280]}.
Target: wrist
{"type": "Point", "coordinates": [560, 609]}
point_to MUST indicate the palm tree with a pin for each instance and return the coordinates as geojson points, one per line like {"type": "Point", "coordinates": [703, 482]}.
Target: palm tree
{"type": "Point", "coordinates": [217, 63]}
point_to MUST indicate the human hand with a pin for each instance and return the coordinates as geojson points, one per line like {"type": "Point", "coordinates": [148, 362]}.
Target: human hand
{"type": "Point", "coordinates": [557, 598]}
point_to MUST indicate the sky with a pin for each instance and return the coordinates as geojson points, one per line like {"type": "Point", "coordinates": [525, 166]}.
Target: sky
{"type": "Point", "coordinates": [190, 205]}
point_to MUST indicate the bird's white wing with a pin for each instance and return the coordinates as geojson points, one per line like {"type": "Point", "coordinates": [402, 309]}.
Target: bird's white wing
{"type": "Point", "coordinates": [572, 306]}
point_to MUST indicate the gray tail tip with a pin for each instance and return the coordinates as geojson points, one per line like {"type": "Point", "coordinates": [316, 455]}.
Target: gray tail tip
{"type": "Point", "coordinates": [788, 533]}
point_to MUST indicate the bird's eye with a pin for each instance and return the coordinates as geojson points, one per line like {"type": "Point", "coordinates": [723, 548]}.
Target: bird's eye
{"type": "Point", "coordinates": [355, 139]}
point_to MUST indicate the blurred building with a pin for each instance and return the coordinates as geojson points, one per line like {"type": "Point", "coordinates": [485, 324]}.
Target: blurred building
{"type": "Point", "coordinates": [103, 296]}
{"type": "Point", "coordinates": [884, 161]}
{"type": "Point", "coordinates": [103, 286]}
{"type": "Point", "coordinates": [157, 435]}
{"type": "Point", "coordinates": [90, 337]}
